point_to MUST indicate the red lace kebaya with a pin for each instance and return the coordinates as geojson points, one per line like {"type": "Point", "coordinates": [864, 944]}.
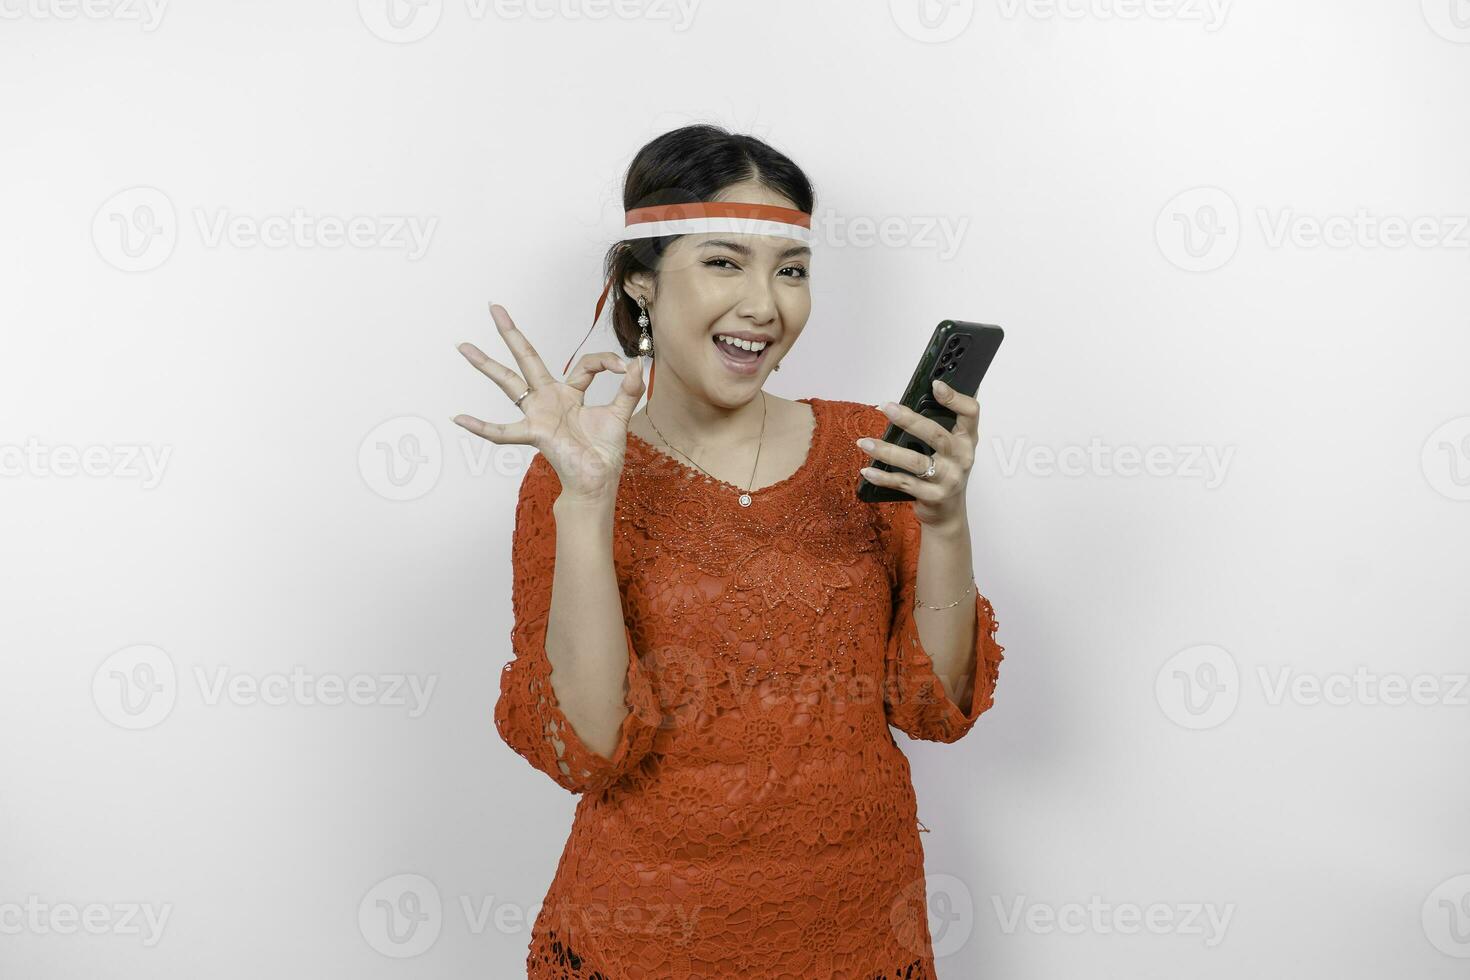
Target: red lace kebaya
{"type": "Point", "coordinates": [757, 818]}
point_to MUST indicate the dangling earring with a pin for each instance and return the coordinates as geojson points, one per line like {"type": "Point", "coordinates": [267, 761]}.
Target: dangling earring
{"type": "Point", "coordinates": [645, 343]}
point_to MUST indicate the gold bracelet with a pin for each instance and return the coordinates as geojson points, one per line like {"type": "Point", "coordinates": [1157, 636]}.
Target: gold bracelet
{"type": "Point", "coordinates": [961, 599]}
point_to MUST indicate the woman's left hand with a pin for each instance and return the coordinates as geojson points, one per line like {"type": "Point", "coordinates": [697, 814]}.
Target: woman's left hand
{"type": "Point", "coordinates": [941, 498]}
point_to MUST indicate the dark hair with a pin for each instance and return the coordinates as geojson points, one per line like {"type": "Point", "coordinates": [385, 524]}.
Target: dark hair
{"type": "Point", "coordinates": [692, 163]}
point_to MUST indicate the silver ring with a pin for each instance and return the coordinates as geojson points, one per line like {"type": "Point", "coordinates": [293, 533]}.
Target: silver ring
{"type": "Point", "coordinates": [523, 395]}
{"type": "Point", "coordinates": [930, 471]}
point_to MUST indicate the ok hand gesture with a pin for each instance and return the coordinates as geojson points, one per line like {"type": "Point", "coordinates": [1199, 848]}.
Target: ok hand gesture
{"type": "Point", "coordinates": [585, 444]}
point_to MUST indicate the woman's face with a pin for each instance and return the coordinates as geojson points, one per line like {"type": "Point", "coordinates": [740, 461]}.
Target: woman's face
{"type": "Point", "coordinates": [716, 284]}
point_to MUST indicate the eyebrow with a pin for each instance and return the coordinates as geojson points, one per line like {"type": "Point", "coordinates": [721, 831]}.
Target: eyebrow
{"type": "Point", "coordinates": [745, 249]}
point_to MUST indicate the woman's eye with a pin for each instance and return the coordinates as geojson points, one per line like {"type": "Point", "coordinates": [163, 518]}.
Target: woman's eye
{"type": "Point", "coordinates": [721, 262]}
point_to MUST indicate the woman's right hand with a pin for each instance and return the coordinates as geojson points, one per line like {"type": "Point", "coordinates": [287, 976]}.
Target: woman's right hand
{"type": "Point", "coordinates": [585, 444]}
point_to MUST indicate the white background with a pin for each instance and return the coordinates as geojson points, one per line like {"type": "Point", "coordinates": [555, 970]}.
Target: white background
{"type": "Point", "coordinates": [1132, 192]}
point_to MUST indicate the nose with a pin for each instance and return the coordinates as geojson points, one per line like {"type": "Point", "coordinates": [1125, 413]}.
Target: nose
{"type": "Point", "coordinates": [758, 302]}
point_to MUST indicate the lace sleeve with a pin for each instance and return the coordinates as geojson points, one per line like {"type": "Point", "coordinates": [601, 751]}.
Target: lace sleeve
{"type": "Point", "coordinates": [914, 698]}
{"type": "Point", "coordinates": [527, 715]}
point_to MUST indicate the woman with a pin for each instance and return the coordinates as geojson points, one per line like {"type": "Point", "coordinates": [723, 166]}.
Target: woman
{"type": "Point", "coordinates": [712, 633]}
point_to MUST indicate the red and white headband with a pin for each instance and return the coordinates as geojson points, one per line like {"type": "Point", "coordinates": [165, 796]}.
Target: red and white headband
{"type": "Point", "coordinates": [704, 216]}
{"type": "Point", "coordinates": [744, 219]}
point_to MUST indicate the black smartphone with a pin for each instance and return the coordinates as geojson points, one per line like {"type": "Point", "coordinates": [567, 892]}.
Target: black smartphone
{"type": "Point", "coordinates": [958, 353]}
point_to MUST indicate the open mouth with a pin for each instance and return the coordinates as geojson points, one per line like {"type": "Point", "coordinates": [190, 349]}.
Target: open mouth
{"type": "Point", "coordinates": [737, 358]}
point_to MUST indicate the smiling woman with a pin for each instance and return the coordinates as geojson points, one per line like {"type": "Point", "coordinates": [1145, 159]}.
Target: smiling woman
{"type": "Point", "coordinates": [712, 633]}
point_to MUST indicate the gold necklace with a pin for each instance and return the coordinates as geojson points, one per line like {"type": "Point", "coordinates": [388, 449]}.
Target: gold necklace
{"type": "Point", "coordinates": [745, 495]}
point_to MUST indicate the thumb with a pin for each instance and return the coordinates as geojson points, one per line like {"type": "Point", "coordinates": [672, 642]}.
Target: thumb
{"type": "Point", "coordinates": [629, 391]}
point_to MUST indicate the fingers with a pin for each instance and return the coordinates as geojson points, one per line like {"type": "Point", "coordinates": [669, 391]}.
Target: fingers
{"type": "Point", "coordinates": [626, 399]}
{"type": "Point", "coordinates": [910, 460]}
{"type": "Point", "coordinates": [926, 429]}
{"type": "Point", "coordinates": [516, 433]}
{"type": "Point", "coordinates": [965, 408]}
{"type": "Point", "coordinates": [910, 484]}
{"type": "Point", "coordinates": [955, 445]}
{"type": "Point", "coordinates": [587, 367]}
{"type": "Point", "coordinates": [505, 379]}
{"type": "Point", "coordinates": [530, 363]}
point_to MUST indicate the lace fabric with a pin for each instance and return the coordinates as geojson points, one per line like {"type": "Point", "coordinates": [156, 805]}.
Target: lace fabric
{"type": "Point", "coordinates": [756, 817]}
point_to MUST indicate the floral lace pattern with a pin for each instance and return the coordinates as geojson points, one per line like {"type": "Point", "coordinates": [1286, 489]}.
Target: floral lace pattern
{"type": "Point", "coordinates": [757, 818]}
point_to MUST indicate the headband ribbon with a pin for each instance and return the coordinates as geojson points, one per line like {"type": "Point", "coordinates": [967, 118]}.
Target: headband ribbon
{"type": "Point", "coordinates": [687, 219]}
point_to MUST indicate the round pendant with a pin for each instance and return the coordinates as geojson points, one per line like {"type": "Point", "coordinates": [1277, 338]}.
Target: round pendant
{"type": "Point", "coordinates": [745, 500]}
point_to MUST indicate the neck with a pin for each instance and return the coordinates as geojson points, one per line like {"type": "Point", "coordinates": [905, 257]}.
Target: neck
{"type": "Point", "coordinates": [691, 422]}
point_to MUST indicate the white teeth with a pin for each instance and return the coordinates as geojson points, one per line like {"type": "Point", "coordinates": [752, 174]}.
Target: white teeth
{"type": "Point", "coordinates": [752, 345]}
